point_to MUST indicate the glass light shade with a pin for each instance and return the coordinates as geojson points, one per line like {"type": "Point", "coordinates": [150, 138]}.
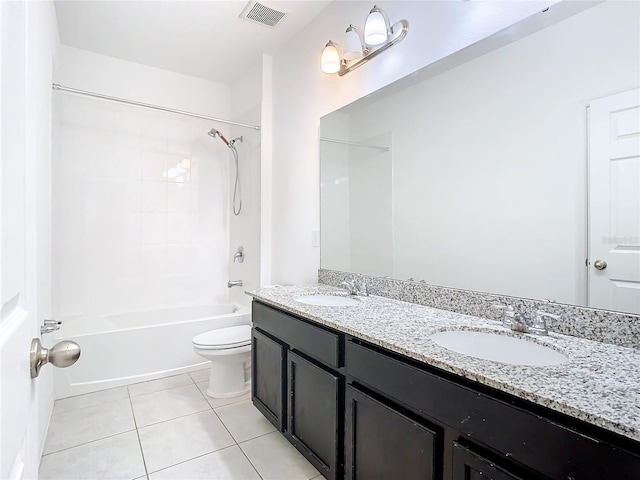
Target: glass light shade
{"type": "Point", "coordinates": [375, 28]}
{"type": "Point", "coordinates": [352, 44]}
{"type": "Point", "coordinates": [330, 61]}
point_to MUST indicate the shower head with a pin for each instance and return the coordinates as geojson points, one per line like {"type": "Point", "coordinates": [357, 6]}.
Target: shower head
{"type": "Point", "coordinates": [215, 133]}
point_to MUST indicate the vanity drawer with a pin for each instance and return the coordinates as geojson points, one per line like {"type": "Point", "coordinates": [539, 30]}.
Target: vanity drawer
{"type": "Point", "coordinates": [321, 344]}
{"type": "Point", "coordinates": [506, 428]}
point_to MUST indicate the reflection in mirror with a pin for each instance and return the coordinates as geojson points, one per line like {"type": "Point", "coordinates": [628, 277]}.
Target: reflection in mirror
{"type": "Point", "coordinates": [484, 186]}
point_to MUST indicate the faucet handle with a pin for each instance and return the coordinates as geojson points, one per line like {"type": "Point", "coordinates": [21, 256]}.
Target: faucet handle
{"type": "Point", "coordinates": [363, 288]}
{"type": "Point", "coordinates": [350, 286]}
{"type": "Point", "coordinates": [503, 306]}
{"type": "Point", "coordinates": [509, 315]}
{"type": "Point", "coordinates": [540, 313]}
{"type": "Point", "coordinates": [538, 325]}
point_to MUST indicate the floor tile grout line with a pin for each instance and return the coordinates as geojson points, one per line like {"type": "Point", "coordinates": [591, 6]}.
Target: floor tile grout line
{"type": "Point", "coordinates": [127, 388]}
{"type": "Point", "coordinates": [137, 428]}
{"type": "Point", "coordinates": [206, 397]}
{"type": "Point", "coordinates": [173, 418]}
{"type": "Point", "coordinates": [225, 427]}
{"type": "Point", "coordinates": [234, 438]}
{"type": "Point", "coordinates": [238, 444]}
{"type": "Point", "coordinates": [86, 406]}
{"type": "Point", "coordinates": [135, 423]}
{"type": "Point", "coordinates": [259, 436]}
{"type": "Point", "coordinates": [86, 443]}
{"type": "Point", "coordinates": [161, 390]}
{"type": "Point", "coordinates": [250, 462]}
{"type": "Point", "coordinates": [264, 435]}
{"type": "Point", "coordinates": [194, 458]}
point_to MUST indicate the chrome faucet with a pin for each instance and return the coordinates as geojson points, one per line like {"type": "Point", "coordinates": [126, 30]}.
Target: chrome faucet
{"type": "Point", "coordinates": [356, 288]}
{"type": "Point", "coordinates": [525, 323]}
{"type": "Point", "coordinates": [234, 283]}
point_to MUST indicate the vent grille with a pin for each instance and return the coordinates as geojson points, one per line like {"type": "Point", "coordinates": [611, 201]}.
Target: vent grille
{"type": "Point", "coordinates": [262, 14]}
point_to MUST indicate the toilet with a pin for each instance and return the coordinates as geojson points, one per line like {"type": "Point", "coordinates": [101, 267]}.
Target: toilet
{"type": "Point", "coordinates": [229, 350]}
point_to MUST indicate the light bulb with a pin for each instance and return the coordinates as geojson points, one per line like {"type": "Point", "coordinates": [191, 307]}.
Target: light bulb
{"type": "Point", "coordinates": [375, 28]}
{"type": "Point", "coordinates": [330, 61]}
{"type": "Point", "coordinates": [352, 44]}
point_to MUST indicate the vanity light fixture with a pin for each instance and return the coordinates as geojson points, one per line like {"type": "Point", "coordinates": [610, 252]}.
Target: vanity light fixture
{"type": "Point", "coordinates": [360, 47]}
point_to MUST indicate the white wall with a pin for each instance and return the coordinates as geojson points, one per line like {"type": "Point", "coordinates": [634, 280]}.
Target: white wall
{"type": "Point", "coordinates": [490, 161]}
{"type": "Point", "coordinates": [302, 94]}
{"type": "Point", "coordinates": [131, 229]}
{"type": "Point", "coordinates": [371, 206]}
{"type": "Point", "coordinates": [246, 103]}
{"type": "Point", "coordinates": [335, 189]}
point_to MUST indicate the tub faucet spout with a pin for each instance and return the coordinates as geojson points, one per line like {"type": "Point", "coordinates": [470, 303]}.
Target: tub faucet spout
{"type": "Point", "coordinates": [234, 283]}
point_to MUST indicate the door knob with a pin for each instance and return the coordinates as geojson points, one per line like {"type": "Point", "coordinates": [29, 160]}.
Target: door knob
{"type": "Point", "coordinates": [600, 264]}
{"type": "Point", "coordinates": [62, 354]}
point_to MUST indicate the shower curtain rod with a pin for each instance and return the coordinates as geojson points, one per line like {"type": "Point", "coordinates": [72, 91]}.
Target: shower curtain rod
{"type": "Point", "coordinates": [353, 144]}
{"type": "Point", "coordinates": [61, 88]}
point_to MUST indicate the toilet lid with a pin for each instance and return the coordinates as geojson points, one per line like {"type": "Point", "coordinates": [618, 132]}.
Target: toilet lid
{"type": "Point", "coordinates": [224, 337]}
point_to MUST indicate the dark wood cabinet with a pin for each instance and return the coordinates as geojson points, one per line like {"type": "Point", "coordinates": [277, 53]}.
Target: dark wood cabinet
{"type": "Point", "coordinates": [468, 465]}
{"type": "Point", "coordinates": [298, 385]}
{"type": "Point", "coordinates": [382, 443]}
{"type": "Point", "coordinates": [315, 396]}
{"type": "Point", "coordinates": [359, 411]}
{"type": "Point", "coordinates": [268, 359]}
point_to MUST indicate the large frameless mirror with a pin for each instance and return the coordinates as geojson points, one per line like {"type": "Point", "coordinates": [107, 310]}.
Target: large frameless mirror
{"type": "Point", "coordinates": [474, 173]}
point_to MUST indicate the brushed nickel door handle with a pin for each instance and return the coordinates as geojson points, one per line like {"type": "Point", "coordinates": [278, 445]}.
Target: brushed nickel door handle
{"type": "Point", "coordinates": [600, 264]}
{"type": "Point", "coordinates": [62, 354]}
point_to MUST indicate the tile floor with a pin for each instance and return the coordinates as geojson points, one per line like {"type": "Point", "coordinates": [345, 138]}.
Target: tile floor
{"type": "Point", "coordinates": [166, 429]}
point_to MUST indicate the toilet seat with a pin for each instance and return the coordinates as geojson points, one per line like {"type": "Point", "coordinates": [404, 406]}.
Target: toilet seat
{"type": "Point", "coordinates": [224, 338]}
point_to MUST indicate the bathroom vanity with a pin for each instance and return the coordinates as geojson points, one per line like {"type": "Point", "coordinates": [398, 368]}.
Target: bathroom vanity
{"type": "Point", "coordinates": [363, 393]}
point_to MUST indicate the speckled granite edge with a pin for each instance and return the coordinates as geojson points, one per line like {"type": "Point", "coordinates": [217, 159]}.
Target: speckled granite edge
{"type": "Point", "coordinates": [593, 324]}
{"type": "Point", "coordinates": [600, 383]}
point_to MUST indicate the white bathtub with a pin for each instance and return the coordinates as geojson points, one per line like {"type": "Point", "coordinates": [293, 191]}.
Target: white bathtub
{"type": "Point", "coordinates": [134, 347]}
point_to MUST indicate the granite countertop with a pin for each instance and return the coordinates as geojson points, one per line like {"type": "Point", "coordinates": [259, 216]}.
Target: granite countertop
{"type": "Point", "coordinates": [600, 384]}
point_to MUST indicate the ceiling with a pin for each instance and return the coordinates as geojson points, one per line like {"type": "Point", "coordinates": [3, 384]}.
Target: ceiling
{"type": "Point", "coordinates": [204, 39]}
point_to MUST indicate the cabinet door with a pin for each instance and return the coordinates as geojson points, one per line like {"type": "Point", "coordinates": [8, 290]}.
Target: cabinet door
{"type": "Point", "coordinates": [382, 443]}
{"type": "Point", "coordinates": [315, 395]}
{"type": "Point", "coordinates": [268, 363]}
{"type": "Point", "coordinates": [468, 465]}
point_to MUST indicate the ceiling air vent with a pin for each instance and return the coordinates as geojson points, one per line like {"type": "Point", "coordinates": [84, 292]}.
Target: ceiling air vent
{"type": "Point", "coordinates": [261, 13]}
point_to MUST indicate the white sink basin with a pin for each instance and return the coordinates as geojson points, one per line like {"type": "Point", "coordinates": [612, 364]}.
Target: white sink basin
{"type": "Point", "coordinates": [498, 348]}
{"type": "Point", "coordinates": [328, 300]}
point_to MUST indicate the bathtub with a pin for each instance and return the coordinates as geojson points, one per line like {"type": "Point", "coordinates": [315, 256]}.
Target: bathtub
{"type": "Point", "coordinates": [133, 347]}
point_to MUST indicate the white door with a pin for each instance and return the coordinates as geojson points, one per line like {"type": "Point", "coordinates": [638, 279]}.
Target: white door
{"type": "Point", "coordinates": [614, 202]}
{"type": "Point", "coordinates": [21, 425]}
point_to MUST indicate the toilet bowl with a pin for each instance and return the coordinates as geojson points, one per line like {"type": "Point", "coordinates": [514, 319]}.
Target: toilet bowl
{"type": "Point", "coordinates": [229, 350]}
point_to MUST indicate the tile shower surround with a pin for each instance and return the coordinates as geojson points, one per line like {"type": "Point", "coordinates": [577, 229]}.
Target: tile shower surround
{"type": "Point", "coordinates": [600, 325]}
{"type": "Point", "coordinates": [140, 210]}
